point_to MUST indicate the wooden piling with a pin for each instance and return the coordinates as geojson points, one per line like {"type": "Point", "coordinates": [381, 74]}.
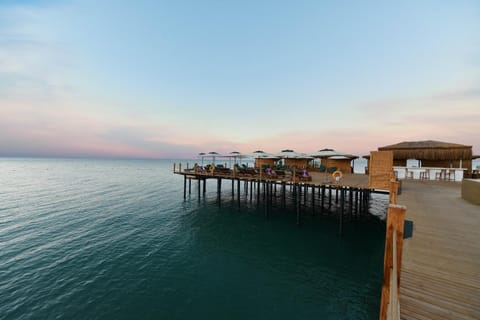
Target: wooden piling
{"type": "Point", "coordinates": [298, 202]}
{"type": "Point", "coordinates": [322, 208]}
{"type": "Point", "coordinates": [238, 192]}
{"type": "Point", "coordinates": [219, 188]}
{"type": "Point", "coordinates": [329, 198]}
{"type": "Point", "coordinates": [184, 187]}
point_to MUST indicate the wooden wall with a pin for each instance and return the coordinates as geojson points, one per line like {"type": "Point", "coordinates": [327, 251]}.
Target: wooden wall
{"type": "Point", "coordinates": [380, 169]}
{"type": "Point", "coordinates": [343, 165]}
{"type": "Point", "coordinates": [299, 163]}
{"type": "Point", "coordinates": [259, 162]}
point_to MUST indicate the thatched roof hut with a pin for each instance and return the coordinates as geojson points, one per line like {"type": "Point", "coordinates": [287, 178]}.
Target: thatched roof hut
{"type": "Point", "coordinates": [431, 153]}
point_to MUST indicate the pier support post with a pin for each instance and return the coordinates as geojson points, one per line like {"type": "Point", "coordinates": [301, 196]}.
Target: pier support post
{"type": "Point", "coordinates": [336, 195]}
{"type": "Point", "coordinates": [357, 213]}
{"type": "Point", "coordinates": [342, 210]}
{"type": "Point", "coordinates": [204, 186]}
{"type": "Point", "coordinates": [329, 198]}
{"type": "Point", "coordinates": [251, 190]}
{"type": "Point", "coordinates": [189, 186]}
{"type": "Point", "coordinates": [350, 202]}
{"type": "Point", "coordinates": [219, 188]}
{"type": "Point", "coordinates": [266, 202]}
{"type": "Point", "coordinates": [313, 199]}
{"type": "Point", "coordinates": [199, 187]}
{"type": "Point", "coordinates": [323, 199]}
{"type": "Point", "coordinates": [238, 192]}
{"type": "Point", "coordinates": [184, 187]}
{"type": "Point", "coordinates": [305, 192]}
{"type": "Point", "coordinates": [299, 196]}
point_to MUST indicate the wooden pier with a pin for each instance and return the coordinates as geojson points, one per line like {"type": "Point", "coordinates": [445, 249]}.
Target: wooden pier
{"type": "Point", "coordinates": [440, 277]}
{"type": "Point", "coordinates": [347, 199]}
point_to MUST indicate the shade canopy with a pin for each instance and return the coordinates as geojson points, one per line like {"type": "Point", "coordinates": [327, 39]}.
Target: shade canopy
{"type": "Point", "coordinates": [290, 154]}
{"type": "Point", "coordinates": [342, 157]}
{"type": "Point", "coordinates": [429, 150]}
{"type": "Point", "coordinates": [332, 154]}
{"type": "Point", "coordinates": [263, 155]}
{"type": "Point", "coordinates": [236, 154]}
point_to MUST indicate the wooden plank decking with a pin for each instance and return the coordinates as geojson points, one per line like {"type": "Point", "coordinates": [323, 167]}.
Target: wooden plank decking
{"type": "Point", "coordinates": [440, 276]}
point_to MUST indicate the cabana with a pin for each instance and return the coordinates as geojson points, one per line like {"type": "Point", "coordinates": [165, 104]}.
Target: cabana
{"type": "Point", "coordinates": [430, 153]}
{"type": "Point", "coordinates": [342, 163]}
{"type": "Point", "coordinates": [294, 159]}
{"type": "Point", "coordinates": [264, 159]}
{"type": "Point", "coordinates": [334, 159]}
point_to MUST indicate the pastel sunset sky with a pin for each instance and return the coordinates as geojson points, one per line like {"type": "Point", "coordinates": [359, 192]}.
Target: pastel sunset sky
{"type": "Point", "coordinates": [169, 79]}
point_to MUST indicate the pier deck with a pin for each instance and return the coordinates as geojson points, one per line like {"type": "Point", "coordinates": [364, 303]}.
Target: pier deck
{"type": "Point", "coordinates": [440, 276]}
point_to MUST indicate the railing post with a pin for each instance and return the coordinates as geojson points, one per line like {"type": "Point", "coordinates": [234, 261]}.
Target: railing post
{"type": "Point", "coordinates": [395, 223]}
{"type": "Point", "coordinates": [174, 164]}
{"type": "Point", "coordinates": [180, 167]}
{"type": "Point", "coordinates": [393, 196]}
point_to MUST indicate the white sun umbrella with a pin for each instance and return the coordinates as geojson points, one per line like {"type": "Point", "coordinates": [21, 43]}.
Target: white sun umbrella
{"type": "Point", "coordinates": [262, 154]}
{"type": "Point", "coordinates": [202, 155]}
{"type": "Point", "coordinates": [343, 157]}
{"type": "Point", "coordinates": [332, 154]}
{"type": "Point", "coordinates": [291, 154]}
{"type": "Point", "coordinates": [213, 154]}
{"type": "Point", "coordinates": [287, 153]}
{"type": "Point", "coordinates": [236, 155]}
{"type": "Point", "coordinates": [325, 153]}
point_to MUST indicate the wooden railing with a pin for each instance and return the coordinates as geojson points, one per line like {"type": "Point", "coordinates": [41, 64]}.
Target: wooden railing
{"type": "Point", "coordinates": [390, 304]}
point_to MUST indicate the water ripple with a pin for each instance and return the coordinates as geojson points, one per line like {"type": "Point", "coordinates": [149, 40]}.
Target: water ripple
{"type": "Point", "coordinates": [114, 239]}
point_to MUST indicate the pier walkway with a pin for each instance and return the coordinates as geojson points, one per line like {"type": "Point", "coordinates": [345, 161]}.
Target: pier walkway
{"type": "Point", "coordinates": [440, 276]}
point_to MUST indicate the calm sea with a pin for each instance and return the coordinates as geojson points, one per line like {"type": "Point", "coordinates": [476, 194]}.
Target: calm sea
{"type": "Point", "coordinates": [114, 239]}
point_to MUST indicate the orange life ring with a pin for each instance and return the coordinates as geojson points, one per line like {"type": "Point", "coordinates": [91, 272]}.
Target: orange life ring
{"type": "Point", "coordinates": [337, 175]}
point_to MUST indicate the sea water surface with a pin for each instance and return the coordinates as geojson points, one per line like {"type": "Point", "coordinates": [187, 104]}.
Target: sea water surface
{"type": "Point", "coordinates": [114, 239]}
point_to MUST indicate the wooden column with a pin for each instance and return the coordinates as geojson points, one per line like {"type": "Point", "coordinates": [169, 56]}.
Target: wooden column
{"type": "Point", "coordinates": [299, 195]}
{"type": "Point", "coordinates": [394, 226]}
{"type": "Point", "coordinates": [199, 187]}
{"type": "Point", "coordinates": [238, 191]}
{"type": "Point", "coordinates": [184, 187]}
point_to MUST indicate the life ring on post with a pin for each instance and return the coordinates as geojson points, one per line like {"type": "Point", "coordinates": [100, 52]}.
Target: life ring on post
{"type": "Point", "coordinates": [337, 175]}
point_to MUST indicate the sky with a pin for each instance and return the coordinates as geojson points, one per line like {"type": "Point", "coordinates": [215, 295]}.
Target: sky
{"type": "Point", "coordinates": [170, 79]}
